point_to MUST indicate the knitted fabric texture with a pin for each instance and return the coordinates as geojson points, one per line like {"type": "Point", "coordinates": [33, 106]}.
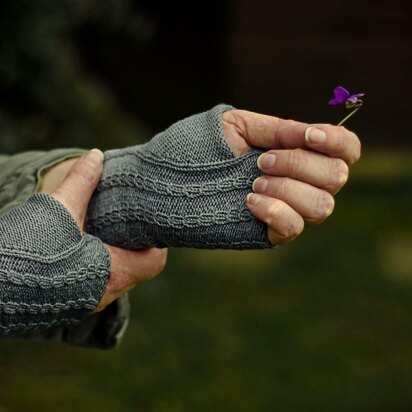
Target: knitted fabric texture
{"type": "Point", "coordinates": [51, 274]}
{"type": "Point", "coordinates": [183, 188]}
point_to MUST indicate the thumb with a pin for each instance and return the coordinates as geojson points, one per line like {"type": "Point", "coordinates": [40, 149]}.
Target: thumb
{"type": "Point", "coordinates": [79, 184]}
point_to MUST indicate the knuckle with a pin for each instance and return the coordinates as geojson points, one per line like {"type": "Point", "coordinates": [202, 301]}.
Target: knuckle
{"type": "Point", "coordinates": [342, 172]}
{"type": "Point", "coordinates": [295, 160]}
{"type": "Point", "coordinates": [276, 126]}
{"type": "Point", "coordinates": [342, 131]}
{"type": "Point", "coordinates": [237, 118]}
{"type": "Point", "coordinates": [233, 117]}
{"type": "Point", "coordinates": [293, 228]}
{"type": "Point", "coordinates": [341, 147]}
{"type": "Point", "coordinates": [338, 175]}
{"type": "Point", "coordinates": [348, 145]}
{"type": "Point", "coordinates": [356, 150]}
{"type": "Point", "coordinates": [275, 213]}
{"type": "Point", "coordinates": [282, 188]}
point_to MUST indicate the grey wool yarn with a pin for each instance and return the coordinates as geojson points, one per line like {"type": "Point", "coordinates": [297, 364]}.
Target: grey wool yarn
{"type": "Point", "coordinates": [185, 187]}
{"type": "Point", "coordinates": [51, 274]}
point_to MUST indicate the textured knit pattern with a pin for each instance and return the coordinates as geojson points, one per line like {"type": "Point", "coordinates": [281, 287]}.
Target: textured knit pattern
{"type": "Point", "coordinates": [50, 274]}
{"type": "Point", "coordinates": [183, 188]}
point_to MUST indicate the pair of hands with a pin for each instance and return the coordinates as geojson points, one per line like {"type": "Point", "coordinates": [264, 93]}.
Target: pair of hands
{"type": "Point", "coordinates": [304, 167]}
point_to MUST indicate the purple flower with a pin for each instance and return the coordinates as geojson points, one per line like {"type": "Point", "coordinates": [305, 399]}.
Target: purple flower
{"type": "Point", "coordinates": [343, 97]}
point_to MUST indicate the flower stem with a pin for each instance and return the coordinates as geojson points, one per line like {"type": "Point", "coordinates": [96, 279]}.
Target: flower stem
{"type": "Point", "coordinates": [347, 117]}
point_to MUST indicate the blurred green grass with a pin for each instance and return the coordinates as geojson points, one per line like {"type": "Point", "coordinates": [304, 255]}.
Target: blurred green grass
{"type": "Point", "coordinates": [324, 323]}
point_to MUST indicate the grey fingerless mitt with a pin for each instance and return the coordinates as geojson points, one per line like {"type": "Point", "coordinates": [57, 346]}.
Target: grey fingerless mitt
{"type": "Point", "coordinates": [50, 274]}
{"type": "Point", "coordinates": [183, 188]}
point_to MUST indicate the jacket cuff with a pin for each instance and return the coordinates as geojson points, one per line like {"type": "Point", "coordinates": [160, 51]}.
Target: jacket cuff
{"type": "Point", "coordinates": [20, 174]}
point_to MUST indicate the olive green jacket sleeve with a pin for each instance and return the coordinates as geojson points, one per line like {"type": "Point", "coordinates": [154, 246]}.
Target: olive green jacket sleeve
{"type": "Point", "coordinates": [20, 177]}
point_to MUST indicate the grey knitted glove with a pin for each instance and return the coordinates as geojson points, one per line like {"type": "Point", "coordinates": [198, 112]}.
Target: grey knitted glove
{"type": "Point", "coordinates": [51, 275]}
{"type": "Point", "coordinates": [183, 188]}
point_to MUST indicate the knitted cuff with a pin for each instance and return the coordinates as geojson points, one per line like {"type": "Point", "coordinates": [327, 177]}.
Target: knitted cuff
{"type": "Point", "coordinates": [183, 188]}
{"type": "Point", "coordinates": [50, 274]}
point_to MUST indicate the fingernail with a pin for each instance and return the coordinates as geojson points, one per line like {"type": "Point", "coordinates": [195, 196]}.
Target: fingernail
{"type": "Point", "coordinates": [260, 185]}
{"type": "Point", "coordinates": [101, 154]}
{"type": "Point", "coordinates": [314, 135]}
{"type": "Point", "coordinates": [266, 160]}
{"type": "Point", "coordinates": [253, 199]}
{"type": "Point", "coordinates": [95, 157]}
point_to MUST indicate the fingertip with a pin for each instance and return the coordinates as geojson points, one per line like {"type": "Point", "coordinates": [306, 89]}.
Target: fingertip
{"type": "Point", "coordinates": [98, 152]}
{"type": "Point", "coordinates": [260, 185]}
{"type": "Point", "coordinates": [253, 199]}
{"type": "Point", "coordinates": [257, 204]}
{"type": "Point", "coordinates": [267, 160]}
{"type": "Point", "coordinates": [86, 173]}
{"type": "Point", "coordinates": [94, 158]}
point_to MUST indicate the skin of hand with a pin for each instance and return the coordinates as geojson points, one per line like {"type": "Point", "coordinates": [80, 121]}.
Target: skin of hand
{"type": "Point", "coordinates": [304, 167]}
{"type": "Point", "coordinates": [72, 183]}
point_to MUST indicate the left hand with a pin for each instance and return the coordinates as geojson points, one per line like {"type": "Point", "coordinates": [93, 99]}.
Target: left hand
{"type": "Point", "coordinates": [72, 184]}
{"type": "Point", "coordinates": [305, 166]}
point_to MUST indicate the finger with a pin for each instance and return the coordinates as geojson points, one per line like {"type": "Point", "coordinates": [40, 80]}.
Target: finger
{"type": "Point", "coordinates": [267, 132]}
{"type": "Point", "coordinates": [270, 132]}
{"type": "Point", "coordinates": [79, 184]}
{"type": "Point", "coordinates": [284, 223]}
{"type": "Point", "coordinates": [334, 141]}
{"type": "Point", "coordinates": [313, 204]}
{"type": "Point", "coordinates": [128, 269]}
{"type": "Point", "coordinates": [328, 173]}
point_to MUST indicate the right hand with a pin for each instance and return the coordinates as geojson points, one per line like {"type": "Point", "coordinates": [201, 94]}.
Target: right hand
{"type": "Point", "coordinates": [298, 186]}
{"type": "Point", "coordinates": [128, 268]}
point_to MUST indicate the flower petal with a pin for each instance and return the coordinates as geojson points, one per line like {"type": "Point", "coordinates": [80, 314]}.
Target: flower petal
{"type": "Point", "coordinates": [334, 102]}
{"type": "Point", "coordinates": [341, 94]}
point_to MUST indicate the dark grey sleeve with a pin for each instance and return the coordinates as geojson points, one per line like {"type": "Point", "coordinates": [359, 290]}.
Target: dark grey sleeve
{"type": "Point", "coordinates": [20, 177]}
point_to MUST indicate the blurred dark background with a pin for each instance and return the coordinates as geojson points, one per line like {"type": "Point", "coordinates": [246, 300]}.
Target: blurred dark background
{"type": "Point", "coordinates": [105, 73]}
{"type": "Point", "coordinates": [324, 323]}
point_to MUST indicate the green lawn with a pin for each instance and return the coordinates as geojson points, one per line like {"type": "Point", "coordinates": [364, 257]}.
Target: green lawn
{"type": "Point", "coordinates": [322, 324]}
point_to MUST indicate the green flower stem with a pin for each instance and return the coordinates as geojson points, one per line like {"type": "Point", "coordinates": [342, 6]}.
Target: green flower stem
{"type": "Point", "coordinates": [347, 117]}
